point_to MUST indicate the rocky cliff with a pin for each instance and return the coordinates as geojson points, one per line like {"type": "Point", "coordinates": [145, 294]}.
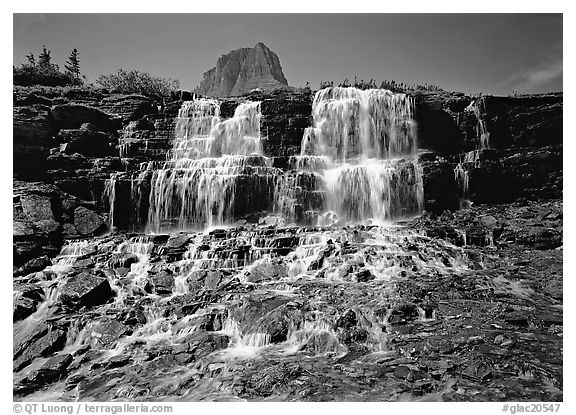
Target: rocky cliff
{"type": "Point", "coordinates": [455, 305]}
{"type": "Point", "coordinates": [77, 139]}
{"type": "Point", "coordinates": [243, 70]}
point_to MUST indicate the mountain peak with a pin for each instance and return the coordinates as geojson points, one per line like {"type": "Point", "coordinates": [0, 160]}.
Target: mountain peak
{"type": "Point", "coordinates": [243, 70]}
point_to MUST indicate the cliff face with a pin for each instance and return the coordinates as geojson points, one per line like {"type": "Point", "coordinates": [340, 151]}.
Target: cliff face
{"type": "Point", "coordinates": [243, 70]}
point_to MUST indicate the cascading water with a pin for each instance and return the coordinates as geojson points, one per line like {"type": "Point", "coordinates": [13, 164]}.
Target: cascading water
{"type": "Point", "coordinates": [461, 173]}
{"type": "Point", "coordinates": [211, 161]}
{"type": "Point", "coordinates": [363, 146]}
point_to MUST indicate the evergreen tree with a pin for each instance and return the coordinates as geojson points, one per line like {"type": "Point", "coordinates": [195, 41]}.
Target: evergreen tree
{"type": "Point", "coordinates": [31, 59]}
{"type": "Point", "coordinates": [44, 59]}
{"type": "Point", "coordinates": [72, 65]}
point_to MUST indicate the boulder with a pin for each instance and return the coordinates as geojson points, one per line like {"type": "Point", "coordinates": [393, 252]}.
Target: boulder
{"type": "Point", "coordinates": [40, 342]}
{"type": "Point", "coordinates": [85, 289]}
{"type": "Point", "coordinates": [87, 222]}
{"type": "Point", "coordinates": [25, 300]}
{"type": "Point", "coordinates": [267, 270]}
{"type": "Point", "coordinates": [74, 115]}
{"type": "Point", "coordinates": [162, 282]}
{"type": "Point", "coordinates": [86, 142]}
{"type": "Point", "coordinates": [108, 331]}
{"type": "Point", "coordinates": [35, 264]}
{"type": "Point", "coordinates": [202, 343]}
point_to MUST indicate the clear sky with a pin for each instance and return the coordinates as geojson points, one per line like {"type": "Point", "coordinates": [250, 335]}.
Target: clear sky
{"type": "Point", "coordinates": [490, 53]}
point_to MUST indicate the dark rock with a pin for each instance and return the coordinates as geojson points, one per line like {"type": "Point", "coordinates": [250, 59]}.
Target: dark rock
{"type": "Point", "coordinates": [34, 265]}
{"type": "Point", "coordinates": [41, 342]}
{"type": "Point", "coordinates": [86, 289]}
{"type": "Point", "coordinates": [123, 260]}
{"type": "Point", "coordinates": [87, 222]}
{"type": "Point", "coordinates": [364, 275]}
{"type": "Point", "coordinates": [83, 263]}
{"type": "Point", "coordinates": [33, 128]}
{"type": "Point", "coordinates": [163, 282]}
{"type": "Point", "coordinates": [26, 299]}
{"type": "Point", "coordinates": [128, 107]}
{"type": "Point", "coordinates": [52, 370]}
{"type": "Point", "coordinates": [68, 116]}
{"type": "Point", "coordinates": [177, 241]}
{"type": "Point", "coordinates": [86, 142]}
{"type": "Point", "coordinates": [267, 270]}
{"type": "Point", "coordinates": [117, 361]}
{"type": "Point", "coordinates": [109, 331]}
{"type": "Point", "coordinates": [203, 343]}
{"type": "Point", "coordinates": [347, 320]}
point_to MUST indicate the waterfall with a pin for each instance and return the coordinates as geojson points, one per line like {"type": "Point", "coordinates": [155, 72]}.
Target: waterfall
{"type": "Point", "coordinates": [211, 164]}
{"type": "Point", "coordinates": [110, 195]}
{"type": "Point", "coordinates": [357, 162]}
{"type": "Point", "coordinates": [461, 173]}
{"type": "Point", "coordinates": [363, 145]}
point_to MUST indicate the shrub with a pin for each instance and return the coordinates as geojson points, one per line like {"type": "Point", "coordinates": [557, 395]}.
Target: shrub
{"type": "Point", "coordinates": [137, 82]}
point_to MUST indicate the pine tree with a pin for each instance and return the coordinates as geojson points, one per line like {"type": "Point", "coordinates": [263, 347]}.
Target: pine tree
{"type": "Point", "coordinates": [31, 59]}
{"type": "Point", "coordinates": [72, 65]}
{"type": "Point", "coordinates": [44, 59]}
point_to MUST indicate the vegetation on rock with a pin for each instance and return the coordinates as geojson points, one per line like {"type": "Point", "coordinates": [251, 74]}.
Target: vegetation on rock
{"type": "Point", "coordinates": [42, 71]}
{"type": "Point", "coordinates": [390, 85]}
{"type": "Point", "coordinates": [136, 82]}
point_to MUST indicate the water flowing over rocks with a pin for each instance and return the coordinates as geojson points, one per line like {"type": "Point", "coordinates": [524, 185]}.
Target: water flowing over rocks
{"type": "Point", "coordinates": [344, 245]}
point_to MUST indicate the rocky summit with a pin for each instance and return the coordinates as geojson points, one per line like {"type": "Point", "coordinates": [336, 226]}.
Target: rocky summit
{"type": "Point", "coordinates": [243, 70]}
{"type": "Point", "coordinates": [287, 245]}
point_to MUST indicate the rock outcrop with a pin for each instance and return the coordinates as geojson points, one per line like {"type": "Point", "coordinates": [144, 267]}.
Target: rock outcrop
{"type": "Point", "coordinates": [243, 70]}
{"type": "Point", "coordinates": [79, 139]}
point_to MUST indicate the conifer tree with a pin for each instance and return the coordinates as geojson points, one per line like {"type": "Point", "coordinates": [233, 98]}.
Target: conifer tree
{"type": "Point", "coordinates": [44, 59]}
{"type": "Point", "coordinates": [31, 59]}
{"type": "Point", "coordinates": [72, 65]}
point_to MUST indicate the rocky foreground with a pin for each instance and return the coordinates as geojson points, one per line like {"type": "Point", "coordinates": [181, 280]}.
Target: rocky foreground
{"type": "Point", "coordinates": [466, 306]}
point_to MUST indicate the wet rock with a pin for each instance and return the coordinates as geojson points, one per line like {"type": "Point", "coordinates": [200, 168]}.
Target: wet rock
{"type": "Point", "coordinates": [123, 260]}
{"type": "Point", "coordinates": [212, 280]}
{"type": "Point", "coordinates": [364, 275]}
{"type": "Point", "coordinates": [278, 323]}
{"type": "Point", "coordinates": [347, 320]}
{"type": "Point", "coordinates": [34, 265]}
{"type": "Point", "coordinates": [162, 283]}
{"type": "Point", "coordinates": [83, 263]}
{"type": "Point", "coordinates": [489, 222]}
{"type": "Point", "coordinates": [267, 270]}
{"type": "Point", "coordinates": [266, 380]}
{"type": "Point", "coordinates": [52, 370]}
{"type": "Point", "coordinates": [41, 342]}
{"type": "Point", "coordinates": [107, 332]}
{"type": "Point", "coordinates": [22, 308]}
{"type": "Point", "coordinates": [117, 361]}
{"type": "Point", "coordinates": [87, 222]}
{"type": "Point", "coordinates": [85, 289]}
{"type": "Point", "coordinates": [177, 241]}
{"type": "Point", "coordinates": [203, 343]}
{"type": "Point", "coordinates": [26, 299]}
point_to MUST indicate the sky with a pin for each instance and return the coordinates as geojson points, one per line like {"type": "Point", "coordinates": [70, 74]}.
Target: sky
{"type": "Point", "coordinates": [488, 53]}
